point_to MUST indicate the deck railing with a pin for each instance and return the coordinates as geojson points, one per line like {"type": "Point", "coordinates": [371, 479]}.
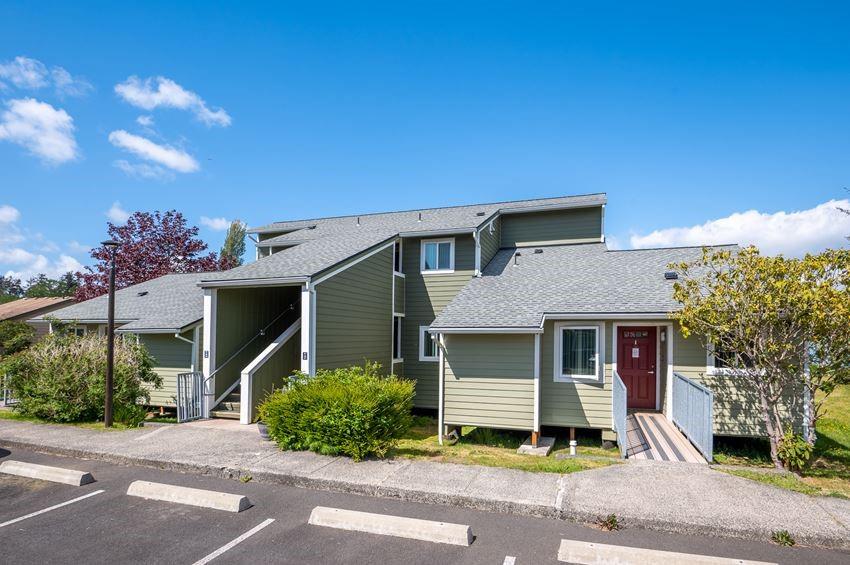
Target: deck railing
{"type": "Point", "coordinates": [618, 408]}
{"type": "Point", "coordinates": [693, 413]}
{"type": "Point", "coordinates": [190, 388]}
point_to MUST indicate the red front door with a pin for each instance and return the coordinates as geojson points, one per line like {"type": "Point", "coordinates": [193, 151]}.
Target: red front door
{"type": "Point", "coordinates": [636, 361]}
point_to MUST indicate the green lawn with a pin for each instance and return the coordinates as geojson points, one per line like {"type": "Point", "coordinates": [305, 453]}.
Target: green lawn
{"type": "Point", "coordinates": [829, 472]}
{"type": "Point", "coordinates": [492, 448]}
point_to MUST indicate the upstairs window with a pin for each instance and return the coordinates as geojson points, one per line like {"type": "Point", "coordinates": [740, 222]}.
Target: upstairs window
{"type": "Point", "coordinates": [397, 256]}
{"type": "Point", "coordinates": [438, 256]}
{"type": "Point", "coordinates": [427, 345]}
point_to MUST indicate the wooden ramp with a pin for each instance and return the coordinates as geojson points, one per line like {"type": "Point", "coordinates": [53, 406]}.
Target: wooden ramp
{"type": "Point", "coordinates": [652, 436]}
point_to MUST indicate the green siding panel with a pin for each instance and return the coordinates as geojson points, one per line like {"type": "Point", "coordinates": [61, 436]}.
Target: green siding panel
{"type": "Point", "coordinates": [490, 242]}
{"type": "Point", "coordinates": [580, 405]}
{"type": "Point", "coordinates": [171, 356]}
{"type": "Point", "coordinates": [736, 405]}
{"type": "Point", "coordinates": [242, 313]}
{"type": "Point", "coordinates": [425, 297]}
{"type": "Point", "coordinates": [489, 380]}
{"type": "Point", "coordinates": [577, 225]}
{"type": "Point", "coordinates": [354, 314]}
{"type": "Point", "coordinates": [274, 372]}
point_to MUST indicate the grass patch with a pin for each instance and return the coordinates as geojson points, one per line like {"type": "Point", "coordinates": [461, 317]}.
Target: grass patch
{"type": "Point", "coordinates": [492, 448]}
{"type": "Point", "coordinates": [10, 414]}
{"type": "Point", "coordinates": [828, 474]}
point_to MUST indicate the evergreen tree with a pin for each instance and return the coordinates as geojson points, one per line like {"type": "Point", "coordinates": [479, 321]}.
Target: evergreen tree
{"type": "Point", "coordinates": [234, 244]}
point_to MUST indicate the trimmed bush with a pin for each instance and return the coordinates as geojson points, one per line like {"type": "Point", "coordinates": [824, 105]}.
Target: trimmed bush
{"type": "Point", "coordinates": [62, 378]}
{"type": "Point", "coordinates": [353, 411]}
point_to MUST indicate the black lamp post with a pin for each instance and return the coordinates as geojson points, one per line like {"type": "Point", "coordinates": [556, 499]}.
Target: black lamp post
{"type": "Point", "coordinates": [111, 245]}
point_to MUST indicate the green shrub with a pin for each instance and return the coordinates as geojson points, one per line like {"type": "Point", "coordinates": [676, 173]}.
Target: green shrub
{"type": "Point", "coordinates": [15, 336]}
{"type": "Point", "coordinates": [62, 378]}
{"type": "Point", "coordinates": [353, 411]}
{"type": "Point", "coordinates": [794, 451]}
{"type": "Point", "coordinates": [131, 415]}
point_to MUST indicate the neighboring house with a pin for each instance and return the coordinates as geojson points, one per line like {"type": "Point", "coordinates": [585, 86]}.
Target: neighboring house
{"type": "Point", "coordinates": [23, 309]}
{"type": "Point", "coordinates": [165, 314]}
{"type": "Point", "coordinates": [509, 315]}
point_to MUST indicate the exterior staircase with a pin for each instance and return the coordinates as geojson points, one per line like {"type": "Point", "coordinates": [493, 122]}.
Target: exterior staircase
{"type": "Point", "coordinates": [229, 407]}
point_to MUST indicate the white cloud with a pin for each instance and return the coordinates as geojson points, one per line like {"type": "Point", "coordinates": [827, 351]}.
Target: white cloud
{"type": "Point", "coordinates": [77, 247]}
{"type": "Point", "coordinates": [117, 214]}
{"type": "Point", "coordinates": [217, 224]}
{"type": "Point", "coordinates": [171, 157]}
{"type": "Point", "coordinates": [31, 74]}
{"type": "Point", "coordinates": [163, 92]}
{"type": "Point", "coordinates": [790, 233]}
{"type": "Point", "coordinates": [46, 132]}
{"type": "Point", "coordinates": [9, 214]}
{"type": "Point", "coordinates": [144, 171]}
{"type": "Point", "coordinates": [22, 263]}
{"type": "Point", "coordinates": [145, 121]}
{"type": "Point", "coordinates": [24, 72]}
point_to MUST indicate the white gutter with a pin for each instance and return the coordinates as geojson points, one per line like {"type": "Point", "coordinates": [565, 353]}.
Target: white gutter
{"type": "Point", "coordinates": [275, 281]}
{"type": "Point", "coordinates": [429, 233]}
{"type": "Point", "coordinates": [502, 330]}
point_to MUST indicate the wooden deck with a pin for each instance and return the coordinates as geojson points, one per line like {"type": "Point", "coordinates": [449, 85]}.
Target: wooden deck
{"type": "Point", "coordinates": [651, 436]}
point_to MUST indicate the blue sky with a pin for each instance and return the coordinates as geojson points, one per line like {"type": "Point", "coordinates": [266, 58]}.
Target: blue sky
{"type": "Point", "coordinates": [703, 123]}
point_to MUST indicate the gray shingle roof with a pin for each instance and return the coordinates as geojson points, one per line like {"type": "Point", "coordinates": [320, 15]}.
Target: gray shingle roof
{"type": "Point", "coordinates": [303, 260]}
{"type": "Point", "coordinates": [167, 303]}
{"type": "Point", "coordinates": [567, 279]}
{"type": "Point", "coordinates": [323, 242]}
{"type": "Point", "coordinates": [427, 219]}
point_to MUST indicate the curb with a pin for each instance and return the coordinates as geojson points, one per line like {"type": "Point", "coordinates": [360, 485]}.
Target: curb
{"type": "Point", "coordinates": [474, 503]}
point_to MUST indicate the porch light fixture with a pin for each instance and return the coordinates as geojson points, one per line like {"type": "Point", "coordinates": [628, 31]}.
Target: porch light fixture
{"type": "Point", "coordinates": [111, 245]}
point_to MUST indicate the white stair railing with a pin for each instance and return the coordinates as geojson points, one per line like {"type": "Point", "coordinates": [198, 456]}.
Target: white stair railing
{"type": "Point", "coordinates": [619, 410]}
{"type": "Point", "coordinates": [246, 408]}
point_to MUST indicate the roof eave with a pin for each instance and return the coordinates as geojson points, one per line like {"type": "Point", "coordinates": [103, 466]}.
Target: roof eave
{"type": "Point", "coordinates": [273, 281]}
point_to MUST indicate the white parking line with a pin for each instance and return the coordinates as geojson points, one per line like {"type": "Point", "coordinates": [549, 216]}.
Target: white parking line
{"type": "Point", "coordinates": [72, 501]}
{"type": "Point", "coordinates": [509, 560]}
{"type": "Point", "coordinates": [149, 434]}
{"type": "Point", "coordinates": [235, 542]}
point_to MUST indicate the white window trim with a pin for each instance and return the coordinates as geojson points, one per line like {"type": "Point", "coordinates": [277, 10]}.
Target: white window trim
{"type": "Point", "coordinates": [713, 371]}
{"type": "Point", "coordinates": [451, 269]}
{"type": "Point", "coordinates": [397, 338]}
{"type": "Point", "coordinates": [422, 331]}
{"type": "Point", "coordinates": [558, 376]}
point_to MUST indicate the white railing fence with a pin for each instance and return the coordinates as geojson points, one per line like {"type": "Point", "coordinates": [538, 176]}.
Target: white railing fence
{"type": "Point", "coordinates": [7, 399]}
{"type": "Point", "coordinates": [693, 406]}
{"type": "Point", "coordinates": [618, 408]}
{"type": "Point", "coordinates": [190, 395]}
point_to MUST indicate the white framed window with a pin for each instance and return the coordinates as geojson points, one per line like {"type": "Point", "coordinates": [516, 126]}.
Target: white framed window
{"type": "Point", "coordinates": [720, 362]}
{"type": "Point", "coordinates": [427, 345]}
{"type": "Point", "coordinates": [437, 256]}
{"type": "Point", "coordinates": [397, 332]}
{"type": "Point", "coordinates": [397, 264]}
{"type": "Point", "coordinates": [578, 353]}
{"type": "Point", "coordinates": [78, 331]}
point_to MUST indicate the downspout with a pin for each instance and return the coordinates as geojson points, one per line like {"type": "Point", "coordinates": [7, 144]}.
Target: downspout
{"type": "Point", "coordinates": [441, 387]}
{"type": "Point", "coordinates": [181, 338]}
{"type": "Point", "coordinates": [476, 235]}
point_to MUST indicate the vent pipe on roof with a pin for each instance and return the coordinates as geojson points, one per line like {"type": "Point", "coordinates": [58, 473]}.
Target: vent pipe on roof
{"type": "Point", "coordinates": [358, 220]}
{"type": "Point", "coordinates": [516, 258]}
{"type": "Point", "coordinates": [420, 217]}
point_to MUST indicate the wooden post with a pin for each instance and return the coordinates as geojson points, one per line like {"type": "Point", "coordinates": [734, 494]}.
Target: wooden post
{"type": "Point", "coordinates": [534, 438]}
{"type": "Point", "coordinates": [572, 434]}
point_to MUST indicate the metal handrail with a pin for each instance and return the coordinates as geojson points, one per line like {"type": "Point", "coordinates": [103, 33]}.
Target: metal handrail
{"type": "Point", "coordinates": [262, 332]}
{"type": "Point", "coordinates": [619, 409]}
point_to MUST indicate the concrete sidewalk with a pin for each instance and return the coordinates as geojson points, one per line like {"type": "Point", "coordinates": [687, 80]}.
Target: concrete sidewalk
{"type": "Point", "coordinates": [678, 497]}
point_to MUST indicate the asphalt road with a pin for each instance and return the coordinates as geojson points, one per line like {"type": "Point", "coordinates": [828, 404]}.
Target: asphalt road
{"type": "Point", "coordinates": [111, 527]}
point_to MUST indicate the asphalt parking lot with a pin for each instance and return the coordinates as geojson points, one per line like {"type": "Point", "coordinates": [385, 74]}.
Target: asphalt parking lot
{"type": "Point", "coordinates": [107, 526]}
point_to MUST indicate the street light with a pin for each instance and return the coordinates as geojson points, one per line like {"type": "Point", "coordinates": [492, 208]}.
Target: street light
{"type": "Point", "coordinates": [111, 245]}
